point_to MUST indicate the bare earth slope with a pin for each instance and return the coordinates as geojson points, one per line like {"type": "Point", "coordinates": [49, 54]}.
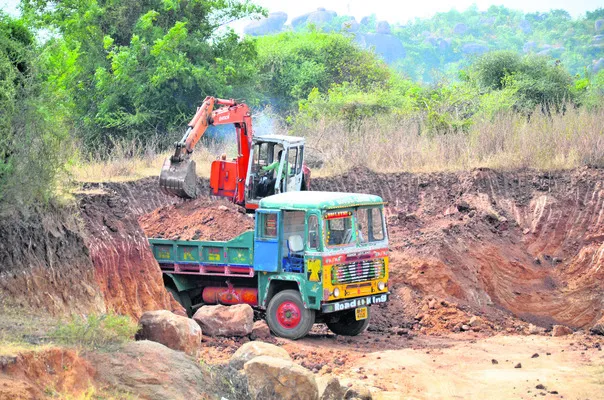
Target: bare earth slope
{"type": "Point", "coordinates": [526, 242]}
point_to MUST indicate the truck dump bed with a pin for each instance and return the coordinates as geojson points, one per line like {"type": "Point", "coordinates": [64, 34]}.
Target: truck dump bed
{"type": "Point", "coordinates": [232, 258]}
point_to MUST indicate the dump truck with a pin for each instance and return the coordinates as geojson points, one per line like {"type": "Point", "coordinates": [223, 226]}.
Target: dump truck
{"type": "Point", "coordinates": [312, 257]}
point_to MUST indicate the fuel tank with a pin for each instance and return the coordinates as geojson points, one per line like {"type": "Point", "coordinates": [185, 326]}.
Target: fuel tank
{"type": "Point", "coordinates": [230, 295]}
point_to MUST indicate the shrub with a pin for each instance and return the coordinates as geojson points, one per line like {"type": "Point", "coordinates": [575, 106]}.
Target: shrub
{"type": "Point", "coordinates": [95, 330]}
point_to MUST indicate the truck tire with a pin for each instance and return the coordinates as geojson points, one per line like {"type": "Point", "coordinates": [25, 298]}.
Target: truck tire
{"type": "Point", "coordinates": [287, 317]}
{"type": "Point", "coordinates": [347, 325]}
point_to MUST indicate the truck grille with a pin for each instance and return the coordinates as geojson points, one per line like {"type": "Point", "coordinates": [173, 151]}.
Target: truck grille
{"type": "Point", "coordinates": [358, 271]}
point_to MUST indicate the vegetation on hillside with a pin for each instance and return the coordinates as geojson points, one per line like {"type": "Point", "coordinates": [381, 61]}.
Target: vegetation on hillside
{"type": "Point", "coordinates": [90, 79]}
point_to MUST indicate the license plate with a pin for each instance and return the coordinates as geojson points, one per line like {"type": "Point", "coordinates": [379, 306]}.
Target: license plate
{"type": "Point", "coordinates": [360, 313]}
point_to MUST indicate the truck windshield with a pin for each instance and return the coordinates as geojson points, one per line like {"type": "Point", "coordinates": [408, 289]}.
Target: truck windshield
{"type": "Point", "coordinates": [370, 225]}
{"type": "Point", "coordinates": [338, 229]}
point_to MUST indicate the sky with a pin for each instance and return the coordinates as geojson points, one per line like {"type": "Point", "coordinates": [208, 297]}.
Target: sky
{"type": "Point", "coordinates": [402, 11]}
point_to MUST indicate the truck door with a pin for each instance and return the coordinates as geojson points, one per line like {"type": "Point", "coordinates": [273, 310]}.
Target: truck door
{"type": "Point", "coordinates": [266, 241]}
{"type": "Point", "coordinates": [294, 177]}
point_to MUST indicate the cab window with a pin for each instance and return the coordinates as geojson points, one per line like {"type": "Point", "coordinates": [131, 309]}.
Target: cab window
{"type": "Point", "coordinates": [268, 226]}
{"type": "Point", "coordinates": [338, 229]}
{"type": "Point", "coordinates": [313, 233]}
{"type": "Point", "coordinates": [293, 160]}
{"type": "Point", "coordinates": [370, 226]}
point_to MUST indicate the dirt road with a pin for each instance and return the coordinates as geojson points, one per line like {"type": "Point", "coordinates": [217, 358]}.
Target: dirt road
{"type": "Point", "coordinates": [462, 366]}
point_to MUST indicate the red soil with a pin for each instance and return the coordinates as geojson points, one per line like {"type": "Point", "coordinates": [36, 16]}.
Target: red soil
{"type": "Point", "coordinates": [200, 219]}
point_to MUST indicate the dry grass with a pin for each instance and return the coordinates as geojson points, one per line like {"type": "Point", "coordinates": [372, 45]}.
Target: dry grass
{"type": "Point", "coordinates": [393, 144]}
{"type": "Point", "coordinates": [508, 142]}
{"type": "Point", "coordinates": [130, 161]}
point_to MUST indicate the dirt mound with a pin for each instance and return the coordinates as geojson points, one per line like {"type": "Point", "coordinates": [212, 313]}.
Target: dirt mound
{"type": "Point", "coordinates": [124, 267]}
{"type": "Point", "coordinates": [524, 242]}
{"type": "Point", "coordinates": [38, 374]}
{"type": "Point", "coordinates": [44, 263]}
{"type": "Point", "coordinates": [200, 219]}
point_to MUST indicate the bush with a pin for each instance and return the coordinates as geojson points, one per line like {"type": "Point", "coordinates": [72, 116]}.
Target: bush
{"type": "Point", "coordinates": [535, 80]}
{"type": "Point", "coordinates": [96, 331]}
{"type": "Point", "coordinates": [34, 138]}
{"type": "Point", "coordinates": [291, 65]}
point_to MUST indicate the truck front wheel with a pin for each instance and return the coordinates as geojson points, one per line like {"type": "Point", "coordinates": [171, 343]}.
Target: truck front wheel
{"type": "Point", "coordinates": [347, 325]}
{"type": "Point", "coordinates": [287, 317]}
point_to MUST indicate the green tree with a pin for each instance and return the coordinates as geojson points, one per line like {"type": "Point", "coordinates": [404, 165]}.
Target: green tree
{"type": "Point", "coordinates": [134, 68]}
{"type": "Point", "coordinates": [293, 64]}
{"type": "Point", "coordinates": [536, 80]}
{"type": "Point", "coordinates": [34, 140]}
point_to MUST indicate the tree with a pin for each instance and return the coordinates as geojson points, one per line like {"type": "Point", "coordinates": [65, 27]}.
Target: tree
{"type": "Point", "coordinates": [34, 140]}
{"type": "Point", "coordinates": [293, 64]}
{"type": "Point", "coordinates": [536, 80]}
{"type": "Point", "coordinates": [138, 68]}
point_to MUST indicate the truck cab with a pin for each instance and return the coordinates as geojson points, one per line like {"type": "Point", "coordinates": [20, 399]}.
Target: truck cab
{"type": "Point", "coordinates": [312, 257]}
{"type": "Point", "coordinates": [320, 257]}
{"type": "Point", "coordinates": [276, 165]}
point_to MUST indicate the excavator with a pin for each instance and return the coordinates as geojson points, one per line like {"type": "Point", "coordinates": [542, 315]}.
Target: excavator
{"type": "Point", "coordinates": [265, 165]}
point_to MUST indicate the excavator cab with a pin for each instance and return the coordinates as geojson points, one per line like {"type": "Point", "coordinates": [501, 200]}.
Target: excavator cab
{"type": "Point", "coordinates": [276, 166]}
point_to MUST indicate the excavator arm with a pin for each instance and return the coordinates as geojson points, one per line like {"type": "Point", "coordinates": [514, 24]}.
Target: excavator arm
{"type": "Point", "coordinates": [178, 176]}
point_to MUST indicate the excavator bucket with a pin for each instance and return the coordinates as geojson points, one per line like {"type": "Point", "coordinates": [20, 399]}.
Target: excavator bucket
{"type": "Point", "coordinates": [178, 178]}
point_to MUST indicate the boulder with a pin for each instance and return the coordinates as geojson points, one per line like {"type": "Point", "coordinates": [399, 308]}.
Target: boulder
{"type": "Point", "coordinates": [260, 330]}
{"type": "Point", "coordinates": [598, 328]}
{"type": "Point", "coordinates": [174, 331]}
{"type": "Point", "coordinates": [460, 29]}
{"type": "Point", "coordinates": [270, 377]}
{"type": "Point", "coordinates": [255, 349]}
{"type": "Point", "coordinates": [525, 27]}
{"type": "Point", "coordinates": [561, 330]}
{"type": "Point", "coordinates": [350, 26]}
{"type": "Point", "coordinates": [476, 322]}
{"type": "Point", "coordinates": [265, 26]}
{"type": "Point", "coordinates": [357, 392]}
{"type": "Point", "coordinates": [235, 320]}
{"type": "Point", "coordinates": [535, 330]}
{"type": "Point", "coordinates": [389, 47]}
{"type": "Point", "coordinates": [150, 370]}
{"type": "Point", "coordinates": [474, 48]}
{"type": "Point", "coordinates": [383, 27]}
{"type": "Point", "coordinates": [599, 25]}
{"type": "Point", "coordinates": [320, 18]}
{"type": "Point", "coordinates": [330, 388]}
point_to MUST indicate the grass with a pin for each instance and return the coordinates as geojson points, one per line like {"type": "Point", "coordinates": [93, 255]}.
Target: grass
{"type": "Point", "coordinates": [95, 331]}
{"type": "Point", "coordinates": [509, 141]}
{"type": "Point", "coordinates": [227, 382]}
{"type": "Point", "coordinates": [394, 144]}
{"type": "Point", "coordinates": [131, 161]}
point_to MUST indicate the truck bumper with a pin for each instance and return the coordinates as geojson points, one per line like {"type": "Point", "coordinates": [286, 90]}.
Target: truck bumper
{"type": "Point", "coordinates": [351, 304]}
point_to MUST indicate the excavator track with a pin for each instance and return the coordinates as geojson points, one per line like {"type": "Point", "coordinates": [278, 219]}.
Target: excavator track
{"type": "Point", "coordinates": [179, 178]}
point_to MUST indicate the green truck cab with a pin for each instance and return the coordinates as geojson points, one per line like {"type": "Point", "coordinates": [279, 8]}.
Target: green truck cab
{"type": "Point", "coordinates": [312, 257]}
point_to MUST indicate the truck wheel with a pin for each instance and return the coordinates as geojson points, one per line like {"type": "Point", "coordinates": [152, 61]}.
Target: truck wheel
{"type": "Point", "coordinates": [347, 325]}
{"type": "Point", "coordinates": [287, 317]}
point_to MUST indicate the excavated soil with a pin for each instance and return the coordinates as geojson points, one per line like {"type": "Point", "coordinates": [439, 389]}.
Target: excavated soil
{"type": "Point", "coordinates": [200, 219]}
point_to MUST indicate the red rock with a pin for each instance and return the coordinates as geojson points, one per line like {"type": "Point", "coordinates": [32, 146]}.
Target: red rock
{"type": "Point", "coordinates": [171, 330]}
{"type": "Point", "coordinates": [260, 330]}
{"type": "Point", "coordinates": [561, 330]}
{"type": "Point", "coordinates": [236, 320]}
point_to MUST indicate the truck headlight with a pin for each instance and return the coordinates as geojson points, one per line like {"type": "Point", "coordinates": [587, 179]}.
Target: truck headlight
{"type": "Point", "coordinates": [336, 292]}
{"type": "Point", "coordinates": [381, 285]}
